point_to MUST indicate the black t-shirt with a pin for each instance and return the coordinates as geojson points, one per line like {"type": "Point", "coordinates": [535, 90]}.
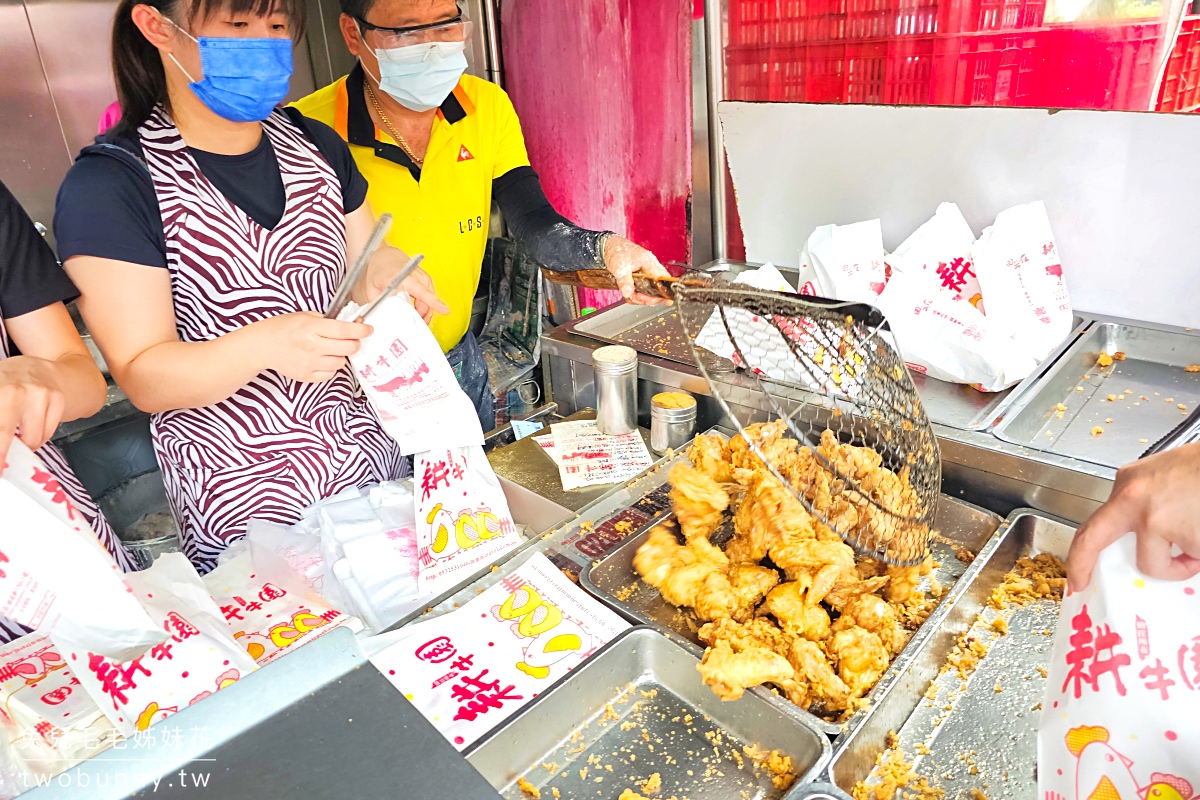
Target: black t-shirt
{"type": "Point", "coordinates": [30, 277]}
{"type": "Point", "coordinates": [107, 207]}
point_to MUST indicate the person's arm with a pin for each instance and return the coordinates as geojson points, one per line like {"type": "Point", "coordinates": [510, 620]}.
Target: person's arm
{"type": "Point", "coordinates": [560, 245]}
{"type": "Point", "coordinates": [130, 314]}
{"type": "Point", "coordinates": [1158, 498]}
{"type": "Point", "coordinates": [54, 380]}
{"type": "Point", "coordinates": [384, 265]}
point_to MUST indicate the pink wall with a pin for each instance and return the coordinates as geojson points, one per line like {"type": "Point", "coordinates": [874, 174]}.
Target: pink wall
{"type": "Point", "coordinates": [603, 89]}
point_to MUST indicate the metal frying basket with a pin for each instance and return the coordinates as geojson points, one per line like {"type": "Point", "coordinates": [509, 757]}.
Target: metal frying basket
{"type": "Point", "coordinates": [823, 365]}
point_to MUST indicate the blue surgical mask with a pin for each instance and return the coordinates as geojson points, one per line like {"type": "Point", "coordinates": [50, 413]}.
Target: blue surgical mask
{"type": "Point", "coordinates": [421, 76]}
{"type": "Point", "coordinates": [244, 79]}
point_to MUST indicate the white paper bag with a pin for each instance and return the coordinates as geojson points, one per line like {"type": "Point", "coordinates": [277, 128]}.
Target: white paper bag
{"type": "Point", "coordinates": [1121, 716]}
{"type": "Point", "coordinates": [409, 382]}
{"type": "Point", "coordinates": [1022, 280]}
{"type": "Point", "coordinates": [849, 261]}
{"type": "Point", "coordinates": [946, 337]}
{"type": "Point", "coordinates": [199, 657]}
{"type": "Point", "coordinates": [55, 576]}
{"type": "Point", "coordinates": [268, 617]}
{"type": "Point", "coordinates": [469, 670]}
{"type": "Point", "coordinates": [939, 252]}
{"type": "Point", "coordinates": [52, 723]}
{"type": "Point", "coordinates": [463, 521]}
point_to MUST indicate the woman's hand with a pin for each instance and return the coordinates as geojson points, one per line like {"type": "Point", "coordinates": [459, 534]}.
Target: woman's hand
{"type": "Point", "coordinates": [304, 346]}
{"type": "Point", "coordinates": [623, 258]}
{"type": "Point", "coordinates": [31, 400]}
{"type": "Point", "coordinates": [1158, 498]}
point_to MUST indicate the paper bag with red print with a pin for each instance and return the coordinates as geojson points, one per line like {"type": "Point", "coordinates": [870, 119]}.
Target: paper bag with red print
{"type": "Point", "coordinates": [51, 722]}
{"type": "Point", "coordinates": [1121, 716]}
{"type": "Point", "coordinates": [198, 658]}
{"type": "Point", "coordinates": [410, 383]}
{"type": "Point", "coordinates": [939, 253]}
{"type": "Point", "coordinates": [463, 521]}
{"type": "Point", "coordinates": [848, 261]}
{"type": "Point", "coordinates": [268, 617]}
{"type": "Point", "coordinates": [1021, 277]}
{"type": "Point", "coordinates": [54, 573]}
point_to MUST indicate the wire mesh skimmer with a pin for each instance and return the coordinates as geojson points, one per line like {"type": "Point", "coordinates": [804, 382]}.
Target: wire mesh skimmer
{"type": "Point", "coordinates": [823, 366]}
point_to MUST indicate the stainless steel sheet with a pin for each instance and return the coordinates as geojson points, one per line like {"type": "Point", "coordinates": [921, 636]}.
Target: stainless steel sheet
{"type": "Point", "coordinates": [1059, 414]}
{"type": "Point", "coordinates": [614, 580]}
{"type": "Point", "coordinates": [982, 735]}
{"type": "Point", "coordinates": [637, 708]}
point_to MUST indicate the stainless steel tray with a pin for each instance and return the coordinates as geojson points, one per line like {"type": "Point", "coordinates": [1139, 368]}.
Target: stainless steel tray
{"type": "Point", "coordinates": [957, 729]}
{"type": "Point", "coordinates": [636, 708]}
{"type": "Point", "coordinates": [958, 406]}
{"type": "Point", "coordinates": [959, 525]}
{"type": "Point", "coordinates": [1153, 368]}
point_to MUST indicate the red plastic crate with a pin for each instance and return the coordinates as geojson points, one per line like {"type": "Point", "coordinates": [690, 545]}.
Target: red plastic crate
{"type": "Point", "coordinates": [1180, 89]}
{"type": "Point", "coordinates": [988, 69]}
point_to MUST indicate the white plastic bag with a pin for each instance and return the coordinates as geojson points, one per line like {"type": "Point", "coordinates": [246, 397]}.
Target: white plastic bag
{"type": "Point", "coordinates": [939, 252]}
{"type": "Point", "coordinates": [51, 722]}
{"type": "Point", "coordinates": [946, 337]}
{"type": "Point", "coordinates": [55, 576]}
{"type": "Point", "coordinates": [269, 617]}
{"type": "Point", "coordinates": [199, 658]}
{"type": "Point", "coordinates": [463, 521]}
{"type": "Point", "coordinates": [1022, 280]}
{"type": "Point", "coordinates": [849, 261]}
{"type": "Point", "coordinates": [409, 382]}
{"type": "Point", "coordinates": [1121, 716]}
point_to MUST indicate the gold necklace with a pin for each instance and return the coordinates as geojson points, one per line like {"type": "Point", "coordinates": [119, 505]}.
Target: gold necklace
{"type": "Point", "coordinates": [388, 124]}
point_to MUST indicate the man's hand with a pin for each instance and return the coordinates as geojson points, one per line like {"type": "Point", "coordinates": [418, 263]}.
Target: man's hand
{"type": "Point", "coordinates": [384, 266]}
{"type": "Point", "coordinates": [623, 258]}
{"type": "Point", "coordinates": [1158, 498]}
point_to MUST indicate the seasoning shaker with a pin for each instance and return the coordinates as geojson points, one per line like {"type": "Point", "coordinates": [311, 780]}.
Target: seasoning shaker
{"type": "Point", "coordinates": [672, 421]}
{"type": "Point", "coordinates": [616, 389]}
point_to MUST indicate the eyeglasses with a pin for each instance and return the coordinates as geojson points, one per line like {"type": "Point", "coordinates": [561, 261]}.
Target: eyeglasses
{"type": "Point", "coordinates": [453, 30]}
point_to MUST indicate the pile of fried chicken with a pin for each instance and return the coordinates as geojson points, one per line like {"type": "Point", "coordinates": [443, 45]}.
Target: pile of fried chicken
{"type": "Point", "coordinates": [824, 635]}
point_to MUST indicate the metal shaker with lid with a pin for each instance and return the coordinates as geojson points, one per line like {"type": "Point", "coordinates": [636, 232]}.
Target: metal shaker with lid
{"type": "Point", "coordinates": [672, 420]}
{"type": "Point", "coordinates": [616, 389]}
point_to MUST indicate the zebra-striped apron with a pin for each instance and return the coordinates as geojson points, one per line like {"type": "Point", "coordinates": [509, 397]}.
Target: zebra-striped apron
{"type": "Point", "coordinates": [53, 458]}
{"type": "Point", "coordinates": [276, 445]}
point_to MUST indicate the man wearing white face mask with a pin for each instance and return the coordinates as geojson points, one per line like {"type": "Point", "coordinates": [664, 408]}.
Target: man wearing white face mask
{"type": "Point", "coordinates": [436, 146]}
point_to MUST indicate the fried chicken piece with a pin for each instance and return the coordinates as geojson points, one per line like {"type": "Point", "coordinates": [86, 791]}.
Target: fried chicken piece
{"type": "Point", "coordinates": [841, 596]}
{"type": "Point", "coordinates": [732, 593]}
{"type": "Point", "coordinates": [757, 632]}
{"type": "Point", "coordinates": [768, 516]}
{"type": "Point", "coordinates": [853, 462]}
{"type": "Point", "coordinates": [904, 584]}
{"type": "Point", "coordinates": [827, 564]}
{"type": "Point", "coordinates": [729, 674]}
{"type": "Point", "coordinates": [710, 455]}
{"type": "Point", "coordinates": [870, 568]}
{"type": "Point", "coordinates": [698, 500]}
{"type": "Point", "coordinates": [861, 658]}
{"type": "Point", "coordinates": [873, 614]}
{"type": "Point", "coordinates": [660, 555]}
{"type": "Point", "coordinates": [811, 667]}
{"type": "Point", "coordinates": [789, 604]}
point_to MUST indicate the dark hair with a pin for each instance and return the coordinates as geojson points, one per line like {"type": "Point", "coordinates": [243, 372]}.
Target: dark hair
{"type": "Point", "coordinates": [137, 65]}
{"type": "Point", "coordinates": [356, 9]}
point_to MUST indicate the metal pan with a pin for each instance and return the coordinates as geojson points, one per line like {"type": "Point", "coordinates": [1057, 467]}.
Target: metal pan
{"type": "Point", "coordinates": [1153, 368]}
{"type": "Point", "coordinates": [634, 709]}
{"type": "Point", "coordinates": [955, 729]}
{"type": "Point", "coordinates": [614, 581]}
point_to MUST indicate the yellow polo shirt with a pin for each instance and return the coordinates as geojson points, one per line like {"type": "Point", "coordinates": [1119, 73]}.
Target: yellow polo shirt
{"type": "Point", "coordinates": [442, 209]}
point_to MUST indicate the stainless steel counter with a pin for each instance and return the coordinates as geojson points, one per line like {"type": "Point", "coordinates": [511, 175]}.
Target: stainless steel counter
{"type": "Point", "coordinates": [976, 466]}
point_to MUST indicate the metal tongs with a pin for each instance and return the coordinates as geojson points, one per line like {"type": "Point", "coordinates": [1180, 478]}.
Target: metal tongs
{"type": "Point", "coordinates": [341, 297]}
{"type": "Point", "coordinates": [412, 264]}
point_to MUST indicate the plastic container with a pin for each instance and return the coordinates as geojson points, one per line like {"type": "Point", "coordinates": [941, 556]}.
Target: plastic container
{"type": "Point", "coordinates": [616, 389]}
{"type": "Point", "coordinates": [672, 421]}
{"type": "Point", "coordinates": [1181, 82]}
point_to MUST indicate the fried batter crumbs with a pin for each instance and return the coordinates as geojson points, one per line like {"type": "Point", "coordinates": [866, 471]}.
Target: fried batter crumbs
{"type": "Point", "coordinates": [1104, 360]}
{"type": "Point", "coordinates": [1192, 368]}
{"type": "Point", "coordinates": [780, 766]}
{"type": "Point", "coordinates": [1042, 576]}
{"type": "Point", "coordinates": [528, 789]}
{"type": "Point", "coordinates": [652, 784]}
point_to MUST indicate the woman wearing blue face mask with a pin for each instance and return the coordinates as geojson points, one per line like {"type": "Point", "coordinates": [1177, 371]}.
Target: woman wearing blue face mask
{"type": "Point", "coordinates": [207, 233]}
{"type": "Point", "coordinates": [437, 146]}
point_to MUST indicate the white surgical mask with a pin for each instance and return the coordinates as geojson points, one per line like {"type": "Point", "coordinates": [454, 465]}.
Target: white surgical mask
{"type": "Point", "coordinates": [421, 76]}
